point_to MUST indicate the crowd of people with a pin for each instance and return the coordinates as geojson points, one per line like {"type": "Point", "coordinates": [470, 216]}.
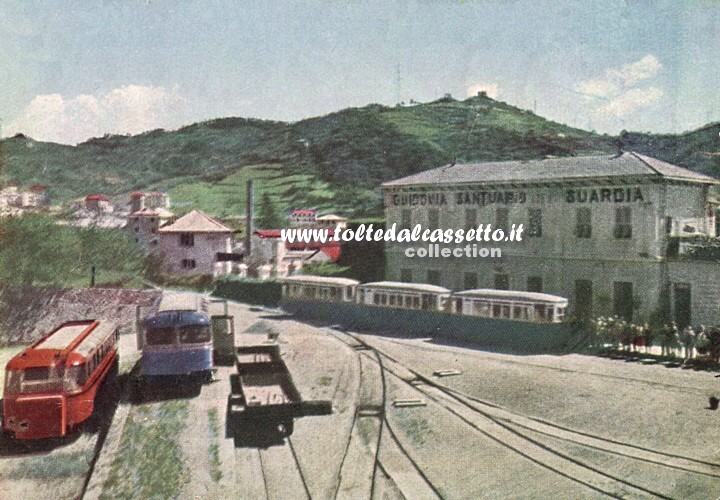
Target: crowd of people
{"type": "Point", "coordinates": [674, 342]}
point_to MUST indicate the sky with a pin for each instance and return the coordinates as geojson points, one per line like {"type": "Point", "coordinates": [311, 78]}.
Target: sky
{"type": "Point", "coordinates": [75, 69]}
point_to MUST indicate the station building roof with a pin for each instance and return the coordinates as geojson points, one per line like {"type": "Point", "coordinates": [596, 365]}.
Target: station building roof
{"type": "Point", "coordinates": [627, 164]}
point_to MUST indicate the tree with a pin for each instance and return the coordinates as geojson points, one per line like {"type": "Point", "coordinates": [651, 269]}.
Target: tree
{"type": "Point", "coordinates": [269, 217]}
{"type": "Point", "coordinates": [33, 249]}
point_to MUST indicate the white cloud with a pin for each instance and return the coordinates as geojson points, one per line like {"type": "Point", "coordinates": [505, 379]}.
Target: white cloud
{"type": "Point", "coordinates": [624, 90]}
{"type": "Point", "coordinates": [645, 68]}
{"type": "Point", "coordinates": [130, 109]}
{"type": "Point", "coordinates": [630, 101]}
{"type": "Point", "coordinates": [491, 89]}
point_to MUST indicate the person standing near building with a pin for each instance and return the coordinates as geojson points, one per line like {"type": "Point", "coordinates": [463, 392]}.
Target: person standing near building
{"type": "Point", "coordinates": [687, 339]}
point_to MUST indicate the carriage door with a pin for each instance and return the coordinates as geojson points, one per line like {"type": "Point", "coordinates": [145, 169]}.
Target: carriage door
{"type": "Point", "coordinates": [681, 301]}
{"type": "Point", "coordinates": [223, 336]}
{"type": "Point", "coordinates": [425, 301]}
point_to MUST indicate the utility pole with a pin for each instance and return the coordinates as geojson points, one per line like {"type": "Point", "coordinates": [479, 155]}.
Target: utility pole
{"type": "Point", "coordinates": [397, 82]}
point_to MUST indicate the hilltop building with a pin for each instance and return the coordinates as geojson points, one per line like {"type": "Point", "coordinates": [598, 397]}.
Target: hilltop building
{"type": "Point", "coordinates": [195, 244]}
{"type": "Point", "coordinates": [608, 232]}
{"type": "Point", "coordinates": [13, 201]}
{"type": "Point", "coordinates": [98, 203]}
{"type": "Point", "coordinates": [303, 218]}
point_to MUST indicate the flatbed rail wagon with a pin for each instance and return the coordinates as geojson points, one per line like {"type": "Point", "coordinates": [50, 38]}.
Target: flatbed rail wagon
{"type": "Point", "coordinates": [263, 398]}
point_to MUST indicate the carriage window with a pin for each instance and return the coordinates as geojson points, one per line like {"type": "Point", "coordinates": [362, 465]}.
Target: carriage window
{"type": "Point", "coordinates": [505, 311]}
{"type": "Point", "coordinates": [384, 299]}
{"type": "Point", "coordinates": [497, 310]}
{"type": "Point", "coordinates": [194, 334]}
{"type": "Point", "coordinates": [416, 302]}
{"type": "Point", "coordinates": [310, 292]}
{"type": "Point", "coordinates": [392, 300]}
{"type": "Point", "coordinates": [518, 311]}
{"type": "Point", "coordinates": [408, 301]}
{"type": "Point", "coordinates": [376, 299]}
{"type": "Point", "coordinates": [160, 336]}
{"type": "Point", "coordinates": [540, 313]}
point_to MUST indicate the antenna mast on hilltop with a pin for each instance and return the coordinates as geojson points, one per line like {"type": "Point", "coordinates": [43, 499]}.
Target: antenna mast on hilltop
{"type": "Point", "coordinates": [397, 82]}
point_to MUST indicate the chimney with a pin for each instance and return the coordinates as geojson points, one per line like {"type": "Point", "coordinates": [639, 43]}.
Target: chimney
{"type": "Point", "coordinates": [249, 208]}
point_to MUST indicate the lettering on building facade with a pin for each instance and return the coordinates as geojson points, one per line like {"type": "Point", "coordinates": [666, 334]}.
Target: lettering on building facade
{"type": "Point", "coordinates": [615, 195]}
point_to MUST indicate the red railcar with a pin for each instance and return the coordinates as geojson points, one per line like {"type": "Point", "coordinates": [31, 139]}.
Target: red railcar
{"type": "Point", "coordinates": [51, 386]}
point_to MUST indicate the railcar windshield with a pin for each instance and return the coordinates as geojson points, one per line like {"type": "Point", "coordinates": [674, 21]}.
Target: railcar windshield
{"type": "Point", "coordinates": [194, 334]}
{"type": "Point", "coordinates": [34, 380]}
{"type": "Point", "coordinates": [160, 336]}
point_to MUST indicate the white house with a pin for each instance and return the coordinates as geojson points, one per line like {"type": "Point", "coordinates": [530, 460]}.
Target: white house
{"type": "Point", "coordinates": [192, 243]}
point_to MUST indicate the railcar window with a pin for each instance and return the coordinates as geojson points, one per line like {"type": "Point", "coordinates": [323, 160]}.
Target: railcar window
{"type": "Point", "coordinates": [160, 336]}
{"type": "Point", "coordinates": [497, 310]}
{"type": "Point", "coordinates": [35, 374]}
{"type": "Point", "coordinates": [194, 334]}
{"type": "Point", "coordinates": [416, 302]}
{"type": "Point", "coordinates": [75, 378]}
{"type": "Point", "coordinates": [505, 311]}
{"type": "Point", "coordinates": [392, 300]}
{"type": "Point", "coordinates": [376, 299]}
{"type": "Point", "coordinates": [13, 379]}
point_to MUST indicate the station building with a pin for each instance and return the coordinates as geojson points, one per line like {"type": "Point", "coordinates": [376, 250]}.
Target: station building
{"type": "Point", "coordinates": [606, 232]}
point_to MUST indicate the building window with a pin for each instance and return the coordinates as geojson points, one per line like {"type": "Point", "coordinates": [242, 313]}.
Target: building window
{"type": "Point", "coordinates": [470, 281]}
{"type": "Point", "coordinates": [623, 223]}
{"type": "Point", "coordinates": [188, 264]}
{"type": "Point", "coordinates": [433, 218]}
{"type": "Point", "coordinates": [405, 218]}
{"type": "Point", "coordinates": [502, 219]}
{"type": "Point", "coordinates": [187, 239]}
{"type": "Point", "coordinates": [433, 277]}
{"type": "Point", "coordinates": [471, 218]}
{"type": "Point", "coordinates": [534, 284]}
{"type": "Point", "coordinates": [502, 282]}
{"type": "Point", "coordinates": [406, 275]}
{"type": "Point", "coordinates": [534, 222]}
{"type": "Point", "coordinates": [583, 223]}
{"type": "Point", "coordinates": [623, 300]}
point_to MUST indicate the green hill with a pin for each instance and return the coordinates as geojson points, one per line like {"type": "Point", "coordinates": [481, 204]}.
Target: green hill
{"type": "Point", "coordinates": [333, 163]}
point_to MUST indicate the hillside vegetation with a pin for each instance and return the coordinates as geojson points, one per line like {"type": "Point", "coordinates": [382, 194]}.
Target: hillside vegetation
{"type": "Point", "coordinates": [332, 163]}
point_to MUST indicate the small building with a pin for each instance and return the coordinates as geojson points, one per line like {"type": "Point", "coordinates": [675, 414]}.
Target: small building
{"type": "Point", "coordinates": [303, 218]}
{"type": "Point", "coordinates": [98, 203]}
{"type": "Point", "coordinates": [284, 258]}
{"type": "Point", "coordinates": [143, 226]}
{"type": "Point", "coordinates": [38, 196]}
{"type": "Point", "coordinates": [193, 243]}
{"type": "Point", "coordinates": [331, 221]}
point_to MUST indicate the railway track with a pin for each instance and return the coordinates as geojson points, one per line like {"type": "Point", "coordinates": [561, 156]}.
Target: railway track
{"type": "Point", "coordinates": [537, 440]}
{"type": "Point", "coordinates": [382, 455]}
{"type": "Point", "coordinates": [498, 359]}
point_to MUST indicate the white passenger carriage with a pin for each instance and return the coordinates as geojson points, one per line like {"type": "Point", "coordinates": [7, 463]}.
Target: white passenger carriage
{"type": "Point", "coordinates": [404, 295]}
{"type": "Point", "coordinates": [509, 304]}
{"type": "Point", "coordinates": [319, 288]}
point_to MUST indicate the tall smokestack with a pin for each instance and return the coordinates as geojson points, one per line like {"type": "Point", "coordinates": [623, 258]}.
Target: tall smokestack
{"type": "Point", "coordinates": [249, 208]}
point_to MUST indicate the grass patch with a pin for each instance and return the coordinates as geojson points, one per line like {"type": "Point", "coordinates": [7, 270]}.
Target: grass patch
{"type": "Point", "coordinates": [149, 463]}
{"type": "Point", "coordinates": [54, 466]}
{"type": "Point", "coordinates": [325, 380]}
{"type": "Point", "coordinates": [214, 448]}
{"type": "Point", "coordinates": [417, 429]}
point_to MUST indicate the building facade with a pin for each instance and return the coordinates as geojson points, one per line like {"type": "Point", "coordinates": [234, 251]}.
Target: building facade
{"type": "Point", "coordinates": [600, 230]}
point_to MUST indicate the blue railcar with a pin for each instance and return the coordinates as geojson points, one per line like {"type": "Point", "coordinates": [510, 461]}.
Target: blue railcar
{"type": "Point", "coordinates": [177, 339]}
